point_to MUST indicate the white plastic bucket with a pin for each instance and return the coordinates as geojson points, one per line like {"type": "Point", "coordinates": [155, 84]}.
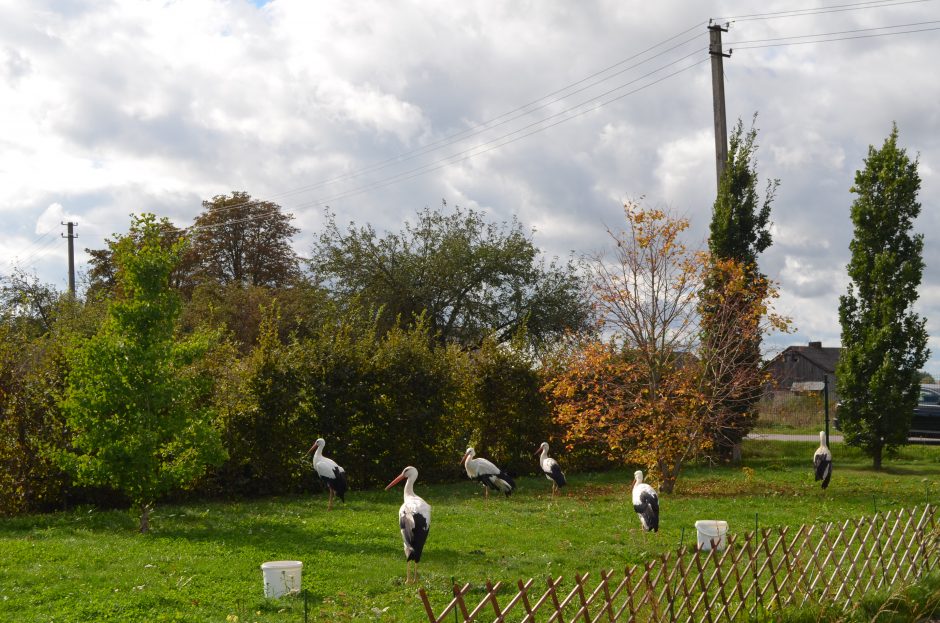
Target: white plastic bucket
{"type": "Point", "coordinates": [711, 530]}
{"type": "Point", "coordinates": [281, 577]}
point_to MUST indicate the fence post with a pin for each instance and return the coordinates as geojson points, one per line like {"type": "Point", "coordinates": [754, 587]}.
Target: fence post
{"type": "Point", "coordinates": [826, 404]}
{"type": "Point", "coordinates": [757, 595]}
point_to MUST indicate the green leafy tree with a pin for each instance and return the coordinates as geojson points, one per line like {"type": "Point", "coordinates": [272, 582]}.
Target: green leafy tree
{"type": "Point", "coordinates": [469, 278]}
{"type": "Point", "coordinates": [884, 343]}
{"type": "Point", "coordinates": [134, 404]}
{"type": "Point", "coordinates": [103, 278]}
{"type": "Point", "coordinates": [739, 231]}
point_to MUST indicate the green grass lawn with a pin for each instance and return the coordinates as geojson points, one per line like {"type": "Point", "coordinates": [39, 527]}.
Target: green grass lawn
{"type": "Point", "coordinates": [201, 561]}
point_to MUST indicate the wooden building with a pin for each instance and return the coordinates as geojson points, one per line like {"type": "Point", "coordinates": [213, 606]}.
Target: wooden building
{"type": "Point", "coordinates": [803, 365]}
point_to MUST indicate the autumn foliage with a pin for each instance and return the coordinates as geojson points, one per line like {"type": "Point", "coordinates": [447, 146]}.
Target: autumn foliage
{"type": "Point", "coordinates": [654, 392]}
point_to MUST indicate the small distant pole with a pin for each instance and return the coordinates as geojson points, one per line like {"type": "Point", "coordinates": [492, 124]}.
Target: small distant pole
{"type": "Point", "coordinates": [71, 235]}
{"type": "Point", "coordinates": [826, 404]}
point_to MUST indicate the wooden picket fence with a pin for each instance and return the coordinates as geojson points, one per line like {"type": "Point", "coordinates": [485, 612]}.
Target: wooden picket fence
{"type": "Point", "coordinates": [775, 569]}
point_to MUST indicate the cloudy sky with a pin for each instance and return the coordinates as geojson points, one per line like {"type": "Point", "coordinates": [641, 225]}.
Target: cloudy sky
{"type": "Point", "coordinates": [551, 111]}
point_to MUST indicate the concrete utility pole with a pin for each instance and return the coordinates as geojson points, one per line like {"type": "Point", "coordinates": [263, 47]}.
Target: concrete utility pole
{"type": "Point", "coordinates": [718, 96]}
{"type": "Point", "coordinates": [71, 236]}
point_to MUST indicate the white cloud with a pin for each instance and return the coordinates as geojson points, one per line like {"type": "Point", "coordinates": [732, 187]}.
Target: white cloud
{"type": "Point", "coordinates": [126, 106]}
{"type": "Point", "coordinates": [53, 217]}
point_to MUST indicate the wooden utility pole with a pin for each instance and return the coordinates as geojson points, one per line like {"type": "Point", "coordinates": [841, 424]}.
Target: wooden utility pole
{"type": "Point", "coordinates": [718, 96]}
{"type": "Point", "coordinates": [71, 235]}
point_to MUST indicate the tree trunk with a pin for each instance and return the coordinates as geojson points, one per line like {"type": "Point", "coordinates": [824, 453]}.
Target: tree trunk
{"type": "Point", "coordinates": [876, 455]}
{"type": "Point", "coordinates": [145, 518]}
{"type": "Point", "coordinates": [669, 477]}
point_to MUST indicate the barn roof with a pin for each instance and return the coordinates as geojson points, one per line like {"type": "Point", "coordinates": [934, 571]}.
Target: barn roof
{"type": "Point", "coordinates": [822, 357]}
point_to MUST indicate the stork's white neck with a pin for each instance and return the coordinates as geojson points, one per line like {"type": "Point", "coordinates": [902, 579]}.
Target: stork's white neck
{"type": "Point", "coordinates": [544, 453]}
{"type": "Point", "coordinates": [318, 454]}
{"type": "Point", "coordinates": [410, 486]}
{"type": "Point", "coordinates": [822, 438]}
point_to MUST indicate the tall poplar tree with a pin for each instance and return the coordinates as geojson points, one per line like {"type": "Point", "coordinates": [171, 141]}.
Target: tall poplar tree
{"type": "Point", "coordinates": [884, 343]}
{"type": "Point", "coordinates": [739, 232]}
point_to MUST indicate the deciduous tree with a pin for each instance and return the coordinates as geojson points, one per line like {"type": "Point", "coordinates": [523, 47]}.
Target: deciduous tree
{"type": "Point", "coordinates": [103, 278]}
{"type": "Point", "coordinates": [135, 407]}
{"type": "Point", "coordinates": [469, 278]}
{"type": "Point", "coordinates": [651, 393]}
{"type": "Point", "coordinates": [237, 239]}
{"type": "Point", "coordinates": [884, 343]}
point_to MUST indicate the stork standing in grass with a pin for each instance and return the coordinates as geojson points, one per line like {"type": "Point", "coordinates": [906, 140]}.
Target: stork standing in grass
{"type": "Point", "coordinates": [485, 472]}
{"type": "Point", "coordinates": [414, 519]}
{"type": "Point", "coordinates": [331, 474]}
{"type": "Point", "coordinates": [551, 468]}
{"type": "Point", "coordinates": [822, 461]}
{"type": "Point", "coordinates": [645, 503]}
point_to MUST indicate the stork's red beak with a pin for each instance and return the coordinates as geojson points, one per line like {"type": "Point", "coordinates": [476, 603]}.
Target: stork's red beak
{"type": "Point", "coordinates": [312, 448]}
{"type": "Point", "coordinates": [464, 459]}
{"type": "Point", "coordinates": [396, 481]}
{"type": "Point", "coordinates": [538, 450]}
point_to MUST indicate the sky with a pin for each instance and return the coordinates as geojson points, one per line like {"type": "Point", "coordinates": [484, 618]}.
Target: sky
{"type": "Point", "coordinates": [550, 111]}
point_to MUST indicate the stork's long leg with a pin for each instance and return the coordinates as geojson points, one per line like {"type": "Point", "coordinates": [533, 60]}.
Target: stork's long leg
{"type": "Point", "coordinates": [329, 506]}
{"type": "Point", "coordinates": [416, 572]}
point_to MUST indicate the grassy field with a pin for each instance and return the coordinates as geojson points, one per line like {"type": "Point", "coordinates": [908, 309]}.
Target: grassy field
{"type": "Point", "coordinates": [201, 561]}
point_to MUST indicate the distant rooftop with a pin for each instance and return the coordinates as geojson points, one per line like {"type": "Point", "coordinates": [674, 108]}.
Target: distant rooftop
{"type": "Point", "coordinates": [823, 357]}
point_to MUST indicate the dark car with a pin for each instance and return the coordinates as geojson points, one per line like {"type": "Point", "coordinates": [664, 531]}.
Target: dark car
{"type": "Point", "coordinates": [926, 419]}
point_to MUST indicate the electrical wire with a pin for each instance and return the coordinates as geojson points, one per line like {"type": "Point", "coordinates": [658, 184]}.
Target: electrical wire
{"type": "Point", "coordinates": [31, 246]}
{"type": "Point", "coordinates": [836, 8]}
{"type": "Point", "coordinates": [515, 113]}
{"type": "Point", "coordinates": [827, 34]}
{"type": "Point", "coordinates": [507, 117]}
{"type": "Point", "coordinates": [16, 262]}
{"type": "Point", "coordinates": [883, 34]}
{"type": "Point", "coordinates": [500, 142]}
{"type": "Point", "coordinates": [464, 155]}
{"type": "Point", "coordinates": [543, 102]}
{"type": "Point", "coordinates": [547, 100]}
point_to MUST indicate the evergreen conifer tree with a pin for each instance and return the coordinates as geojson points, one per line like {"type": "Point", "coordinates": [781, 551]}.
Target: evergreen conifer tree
{"type": "Point", "coordinates": [884, 343]}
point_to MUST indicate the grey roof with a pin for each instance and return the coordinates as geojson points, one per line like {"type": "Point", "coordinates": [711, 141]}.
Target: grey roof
{"type": "Point", "coordinates": [823, 357]}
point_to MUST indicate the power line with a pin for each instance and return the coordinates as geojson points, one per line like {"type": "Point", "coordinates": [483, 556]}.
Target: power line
{"type": "Point", "coordinates": [836, 8]}
{"type": "Point", "coordinates": [842, 32]}
{"type": "Point", "coordinates": [515, 113]}
{"type": "Point", "coordinates": [457, 155]}
{"type": "Point", "coordinates": [499, 142]}
{"type": "Point", "coordinates": [464, 155]}
{"type": "Point", "coordinates": [547, 99]}
{"type": "Point", "coordinates": [16, 262]}
{"type": "Point", "coordinates": [407, 175]}
{"type": "Point", "coordinates": [35, 244]}
{"type": "Point", "coordinates": [883, 34]}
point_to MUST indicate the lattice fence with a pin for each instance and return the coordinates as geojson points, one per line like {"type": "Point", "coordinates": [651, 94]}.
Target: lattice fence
{"type": "Point", "coordinates": [775, 569]}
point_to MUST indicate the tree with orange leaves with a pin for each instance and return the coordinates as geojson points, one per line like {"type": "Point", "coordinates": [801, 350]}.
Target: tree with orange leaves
{"type": "Point", "coordinates": [648, 392]}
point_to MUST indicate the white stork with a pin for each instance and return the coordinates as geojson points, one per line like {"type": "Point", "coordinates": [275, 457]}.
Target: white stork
{"type": "Point", "coordinates": [822, 460]}
{"type": "Point", "coordinates": [485, 472]}
{"type": "Point", "coordinates": [645, 503]}
{"type": "Point", "coordinates": [414, 519]}
{"type": "Point", "coordinates": [551, 468]}
{"type": "Point", "coordinates": [331, 474]}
